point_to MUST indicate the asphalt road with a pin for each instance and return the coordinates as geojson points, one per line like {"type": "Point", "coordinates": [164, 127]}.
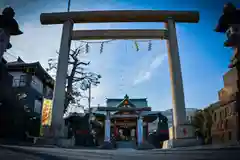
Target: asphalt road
{"type": "Point", "coordinates": [37, 153]}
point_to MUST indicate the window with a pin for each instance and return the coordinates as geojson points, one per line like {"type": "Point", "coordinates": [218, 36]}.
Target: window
{"type": "Point", "coordinates": [16, 82]}
{"type": "Point", "coordinates": [226, 111]}
{"type": "Point", "coordinates": [229, 111]}
{"type": "Point", "coordinates": [215, 117]}
{"type": "Point", "coordinates": [37, 84]}
{"type": "Point", "coordinates": [37, 106]}
{"type": "Point", "coordinates": [48, 91]}
{"type": "Point", "coordinates": [222, 137]}
{"type": "Point", "coordinates": [20, 81]}
{"type": "Point", "coordinates": [191, 118]}
{"type": "Point", "coordinates": [226, 124]}
{"type": "Point", "coordinates": [23, 80]}
{"type": "Point", "coordinates": [229, 136]}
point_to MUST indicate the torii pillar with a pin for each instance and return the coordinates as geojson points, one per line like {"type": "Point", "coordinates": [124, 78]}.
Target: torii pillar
{"type": "Point", "coordinates": [178, 100]}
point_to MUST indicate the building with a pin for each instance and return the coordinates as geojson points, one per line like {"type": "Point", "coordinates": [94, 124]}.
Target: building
{"type": "Point", "coordinates": [124, 118]}
{"type": "Point", "coordinates": [190, 112]}
{"type": "Point", "coordinates": [226, 121]}
{"type": "Point", "coordinates": [31, 83]}
{"type": "Point", "coordinates": [12, 114]}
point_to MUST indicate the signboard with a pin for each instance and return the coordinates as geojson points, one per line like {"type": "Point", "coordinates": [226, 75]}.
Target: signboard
{"type": "Point", "coordinates": [46, 112]}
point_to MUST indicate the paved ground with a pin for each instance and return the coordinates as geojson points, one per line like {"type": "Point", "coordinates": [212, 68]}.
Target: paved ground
{"type": "Point", "coordinates": [32, 153]}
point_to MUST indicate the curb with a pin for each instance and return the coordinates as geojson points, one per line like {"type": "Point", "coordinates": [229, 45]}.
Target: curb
{"type": "Point", "coordinates": [45, 156]}
{"type": "Point", "coordinates": [201, 149]}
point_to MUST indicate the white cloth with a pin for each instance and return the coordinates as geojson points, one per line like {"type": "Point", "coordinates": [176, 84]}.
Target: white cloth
{"type": "Point", "coordinates": [4, 40]}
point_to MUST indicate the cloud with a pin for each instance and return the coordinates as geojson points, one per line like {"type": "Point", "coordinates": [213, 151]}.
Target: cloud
{"type": "Point", "coordinates": [145, 75]}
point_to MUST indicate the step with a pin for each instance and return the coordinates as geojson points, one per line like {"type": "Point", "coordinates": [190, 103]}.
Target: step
{"type": "Point", "coordinates": [122, 144]}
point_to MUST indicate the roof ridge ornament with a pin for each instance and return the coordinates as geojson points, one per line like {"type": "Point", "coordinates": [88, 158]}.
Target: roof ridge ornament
{"type": "Point", "coordinates": [126, 97]}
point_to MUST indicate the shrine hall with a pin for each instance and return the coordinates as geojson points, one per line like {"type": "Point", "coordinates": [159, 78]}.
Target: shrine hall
{"type": "Point", "coordinates": [127, 119]}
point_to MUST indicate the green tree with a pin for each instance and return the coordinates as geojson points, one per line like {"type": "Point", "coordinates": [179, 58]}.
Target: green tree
{"type": "Point", "coordinates": [202, 121]}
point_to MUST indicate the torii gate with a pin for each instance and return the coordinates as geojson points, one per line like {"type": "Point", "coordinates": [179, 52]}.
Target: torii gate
{"type": "Point", "coordinates": [169, 34]}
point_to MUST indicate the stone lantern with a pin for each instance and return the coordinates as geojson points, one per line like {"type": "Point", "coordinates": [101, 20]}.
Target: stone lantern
{"type": "Point", "coordinates": [229, 23]}
{"type": "Point", "coordinates": [8, 27]}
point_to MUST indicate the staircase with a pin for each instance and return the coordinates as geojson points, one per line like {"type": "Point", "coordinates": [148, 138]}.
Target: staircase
{"type": "Point", "coordinates": [126, 144]}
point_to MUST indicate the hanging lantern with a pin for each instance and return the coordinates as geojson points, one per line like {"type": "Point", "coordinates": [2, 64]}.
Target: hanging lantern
{"type": "Point", "coordinates": [136, 45]}
{"type": "Point", "coordinates": [101, 47]}
{"type": "Point", "coordinates": [150, 45]}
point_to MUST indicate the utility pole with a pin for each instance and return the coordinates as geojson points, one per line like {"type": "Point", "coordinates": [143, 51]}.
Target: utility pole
{"type": "Point", "coordinates": [69, 4]}
{"type": "Point", "coordinates": [89, 96]}
{"type": "Point", "coordinates": [89, 104]}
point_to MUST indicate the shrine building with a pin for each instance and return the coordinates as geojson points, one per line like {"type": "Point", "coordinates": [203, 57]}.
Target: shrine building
{"type": "Point", "coordinates": [127, 119]}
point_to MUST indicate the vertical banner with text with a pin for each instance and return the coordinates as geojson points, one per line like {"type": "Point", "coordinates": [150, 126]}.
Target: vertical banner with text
{"type": "Point", "coordinates": [46, 112]}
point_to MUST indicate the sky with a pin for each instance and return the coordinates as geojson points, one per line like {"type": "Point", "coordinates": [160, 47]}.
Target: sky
{"type": "Point", "coordinates": [143, 73]}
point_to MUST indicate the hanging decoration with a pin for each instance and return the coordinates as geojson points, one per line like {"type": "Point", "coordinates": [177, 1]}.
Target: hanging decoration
{"type": "Point", "coordinates": [87, 48]}
{"type": "Point", "coordinates": [101, 47]}
{"type": "Point", "coordinates": [136, 45]}
{"type": "Point", "coordinates": [149, 45]}
{"type": "Point", "coordinates": [87, 45]}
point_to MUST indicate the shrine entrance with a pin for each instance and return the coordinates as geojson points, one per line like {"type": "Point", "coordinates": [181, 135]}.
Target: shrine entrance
{"type": "Point", "coordinates": [168, 33]}
{"type": "Point", "coordinates": [125, 122]}
{"type": "Point", "coordinates": [124, 134]}
{"type": "Point", "coordinates": [125, 129]}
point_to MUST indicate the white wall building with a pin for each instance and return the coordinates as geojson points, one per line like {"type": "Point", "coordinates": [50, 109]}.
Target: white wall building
{"type": "Point", "coordinates": [169, 114]}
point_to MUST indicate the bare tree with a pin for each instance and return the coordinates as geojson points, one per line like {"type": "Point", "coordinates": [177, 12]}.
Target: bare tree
{"type": "Point", "coordinates": [78, 79]}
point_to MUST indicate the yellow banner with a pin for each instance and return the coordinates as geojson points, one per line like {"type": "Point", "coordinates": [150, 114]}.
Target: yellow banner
{"type": "Point", "coordinates": [47, 112]}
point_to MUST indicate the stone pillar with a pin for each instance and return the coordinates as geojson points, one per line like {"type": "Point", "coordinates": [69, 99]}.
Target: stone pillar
{"type": "Point", "coordinates": [179, 113]}
{"type": "Point", "coordinates": [107, 128]}
{"type": "Point", "coordinates": [4, 41]}
{"type": "Point", "coordinates": [115, 129]}
{"type": "Point", "coordinates": [140, 130]}
{"type": "Point", "coordinates": [147, 131]}
{"type": "Point", "coordinates": [58, 124]}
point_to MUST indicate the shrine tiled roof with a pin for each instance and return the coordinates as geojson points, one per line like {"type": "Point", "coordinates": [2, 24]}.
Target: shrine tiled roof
{"type": "Point", "coordinates": [126, 102]}
{"type": "Point", "coordinates": [133, 102]}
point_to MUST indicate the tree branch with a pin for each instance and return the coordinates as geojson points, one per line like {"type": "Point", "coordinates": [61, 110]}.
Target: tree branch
{"type": "Point", "coordinates": [83, 63]}
{"type": "Point", "coordinates": [79, 72]}
{"type": "Point", "coordinates": [77, 80]}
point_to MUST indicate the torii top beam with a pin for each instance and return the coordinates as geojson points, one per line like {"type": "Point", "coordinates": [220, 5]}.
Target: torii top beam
{"type": "Point", "coordinates": [119, 16]}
